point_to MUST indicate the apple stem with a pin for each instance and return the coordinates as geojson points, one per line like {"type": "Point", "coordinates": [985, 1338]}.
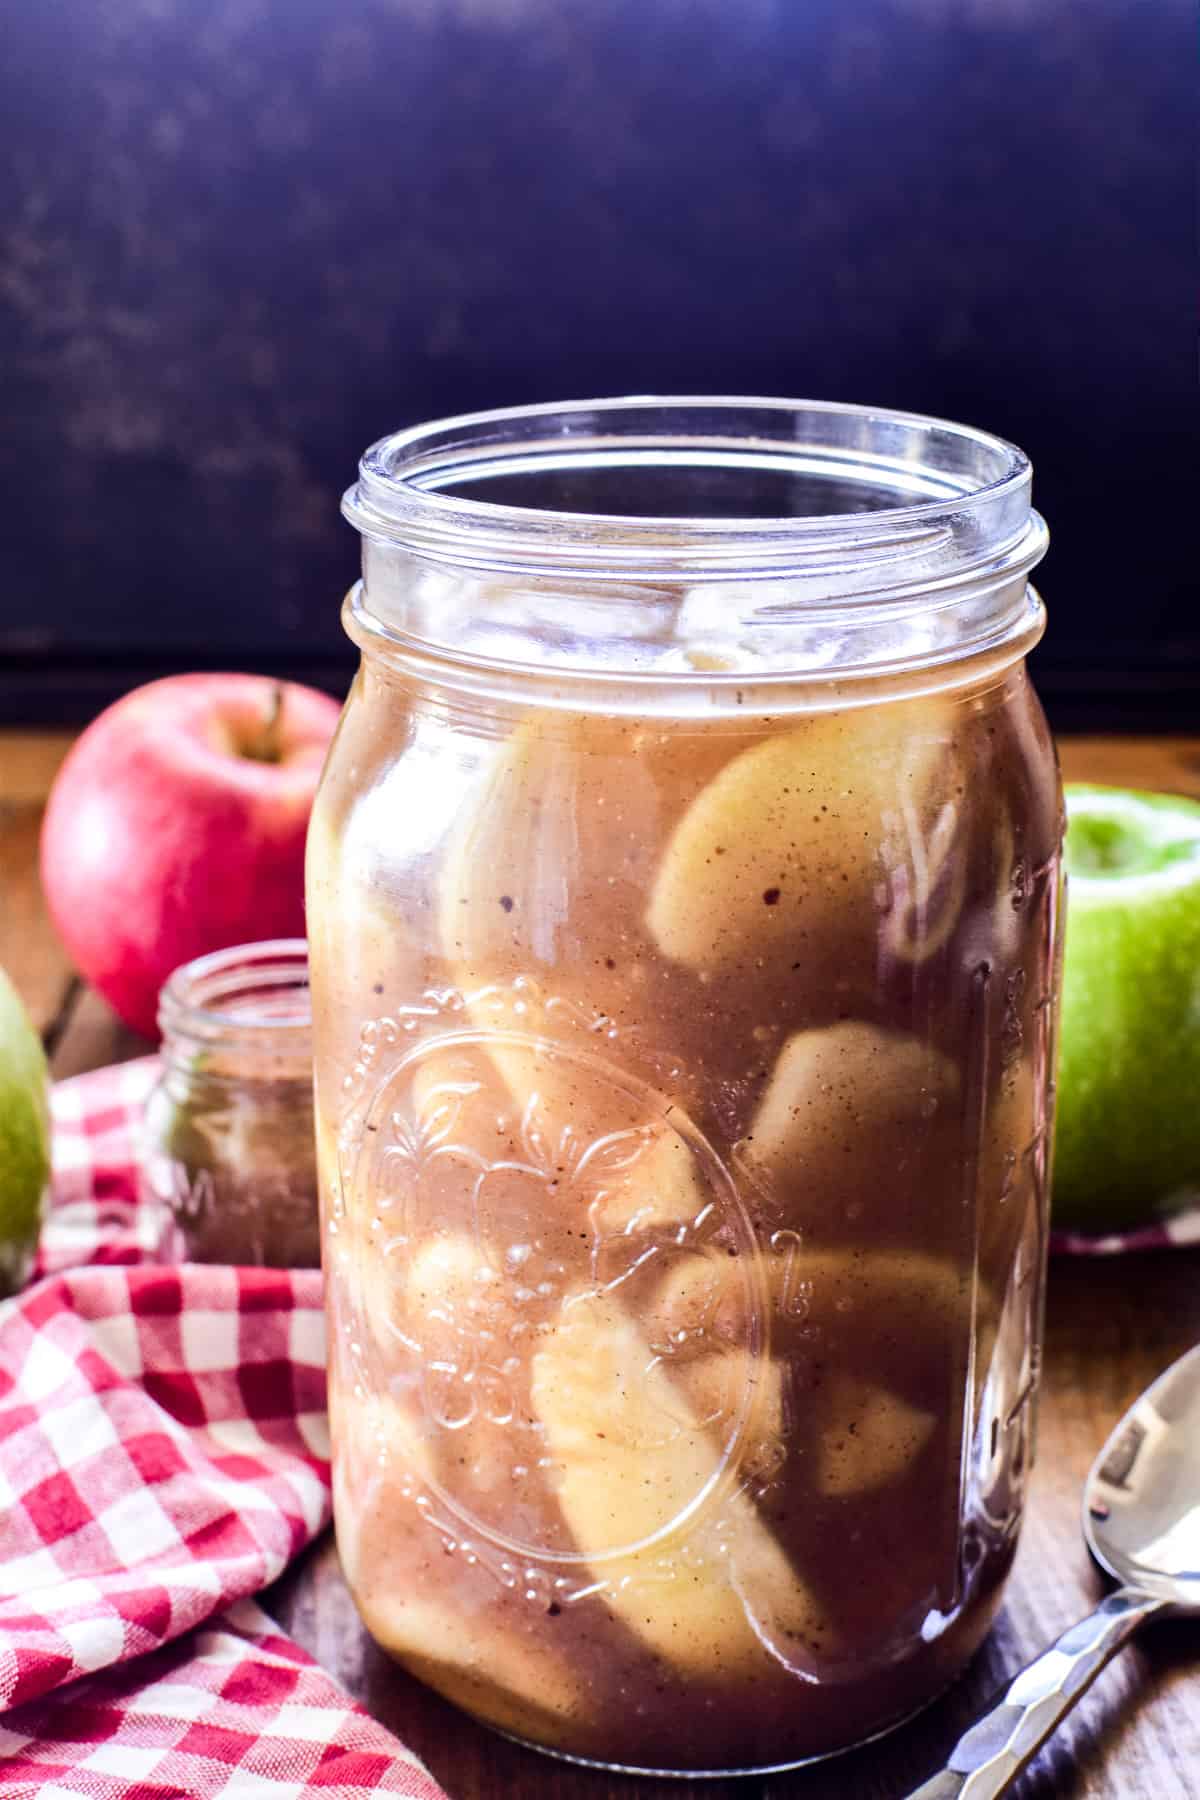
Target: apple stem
{"type": "Point", "coordinates": [267, 749]}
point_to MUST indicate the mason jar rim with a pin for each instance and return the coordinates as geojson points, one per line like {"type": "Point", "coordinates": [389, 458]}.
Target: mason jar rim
{"type": "Point", "coordinates": [217, 1000]}
{"type": "Point", "coordinates": [910, 536]}
{"type": "Point", "coordinates": [932, 464]}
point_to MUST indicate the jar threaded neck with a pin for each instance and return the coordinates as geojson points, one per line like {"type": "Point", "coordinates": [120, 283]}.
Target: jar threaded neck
{"type": "Point", "coordinates": [611, 536]}
{"type": "Point", "coordinates": [250, 1002]}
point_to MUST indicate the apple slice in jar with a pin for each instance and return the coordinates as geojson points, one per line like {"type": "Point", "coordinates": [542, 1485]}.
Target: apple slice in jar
{"type": "Point", "coordinates": [473, 1328]}
{"type": "Point", "coordinates": [869, 1354]}
{"type": "Point", "coordinates": [871, 1438]}
{"type": "Point", "coordinates": [489, 1279]}
{"type": "Point", "coordinates": [447, 1621]}
{"type": "Point", "coordinates": [360, 1285]}
{"type": "Point", "coordinates": [366, 960]}
{"type": "Point", "coordinates": [857, 1133]}
{"type": "Point", "coordinates": [700, 1320]}
{"type": "Point", "coordinates": [858, 1136]}
{"type": "Point", "coordinates": [542, 893]}
{"type": "Point", "coordinates": [795, 850]}
{"type": "Point", "coordinates": [692, 1572]}
{"type": "Point", "coordinates": [869, 1360]}
{"type": "Point", "coordinates": [372, 1218]}
{"type": "Point", "coordinates": [510, 1115]}
{"type": "Point", "coordinates": [715, 1384]}
{"type": "Point", "coordinates": [508, 1679]}
{"type": "Point", "coordinates": [379, 1444]}
{"type": "Point", "coordinates": [537, 863]}
{"type": "Point", "coordinates": [461, 1318]}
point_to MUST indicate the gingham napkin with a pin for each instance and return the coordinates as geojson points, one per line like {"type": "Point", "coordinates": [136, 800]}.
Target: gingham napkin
{"type": "Point", "coordinates": [163, 1455]}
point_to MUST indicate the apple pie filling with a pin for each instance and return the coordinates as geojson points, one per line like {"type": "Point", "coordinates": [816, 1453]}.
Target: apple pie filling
{"type": "Point", "coordinates": [682, 1114]}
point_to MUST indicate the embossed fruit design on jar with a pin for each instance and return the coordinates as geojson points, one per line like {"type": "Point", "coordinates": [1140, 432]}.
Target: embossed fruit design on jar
{"type": "Point", "coordinates": [684, 907]}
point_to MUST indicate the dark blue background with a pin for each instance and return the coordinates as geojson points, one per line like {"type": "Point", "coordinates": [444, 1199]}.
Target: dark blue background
{"type": "Point", "coordinates": [245, 237]}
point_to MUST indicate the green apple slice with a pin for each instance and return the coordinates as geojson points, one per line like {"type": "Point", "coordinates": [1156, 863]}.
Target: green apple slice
{"type": "Point", "coordinates": [635, 1468]}
{"type": "Point", "coordinates": [1128, 1126]}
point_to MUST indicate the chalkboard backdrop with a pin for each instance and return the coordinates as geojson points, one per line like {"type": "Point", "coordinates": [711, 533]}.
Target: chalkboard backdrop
{"type": "Point", "coordinates": [243, 238]}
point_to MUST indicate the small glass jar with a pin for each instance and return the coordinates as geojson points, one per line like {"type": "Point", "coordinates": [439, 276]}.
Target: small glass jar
{"type": "Point", "coordinates": [684, 911]}
{"type": "Point", "coordinates": [228, 1146]}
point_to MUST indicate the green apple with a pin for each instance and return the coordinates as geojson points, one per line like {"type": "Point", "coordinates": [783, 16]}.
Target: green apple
{"type": "Point", "coordinates": [1128, 1132]}
{"type": "Point", "coordinates": [24, 1137]}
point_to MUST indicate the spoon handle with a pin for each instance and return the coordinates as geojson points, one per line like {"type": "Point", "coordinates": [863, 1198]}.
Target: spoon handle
{"type": "Point", "coordinates": [992, 1752]}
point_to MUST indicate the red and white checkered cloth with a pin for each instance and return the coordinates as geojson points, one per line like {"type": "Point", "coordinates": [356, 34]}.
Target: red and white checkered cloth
{"type": "Point", "coordinates": [163, 1455]}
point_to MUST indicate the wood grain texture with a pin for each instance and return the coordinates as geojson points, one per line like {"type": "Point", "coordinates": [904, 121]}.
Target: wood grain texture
{"type": "Point", "coordinates": [1170, 765]}
{"type": "Point", "coordinates": [90, 1035]}
{"type": "Point", "coordinates": [29, 761]}
{"type": "Point", "coordinates": [29, 947]}
{"type": "Point", "coordinates": [1112, 1324]}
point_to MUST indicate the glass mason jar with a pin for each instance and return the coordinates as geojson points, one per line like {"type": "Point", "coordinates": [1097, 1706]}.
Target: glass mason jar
{"type": "Point", "coordinates": [684, 906]}
{"type": "Point", "coordinates": [228, 1149]}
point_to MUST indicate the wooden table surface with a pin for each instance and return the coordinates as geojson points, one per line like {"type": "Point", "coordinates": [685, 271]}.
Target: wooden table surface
{"type": "Point", "coordinates": [1111, 1326]}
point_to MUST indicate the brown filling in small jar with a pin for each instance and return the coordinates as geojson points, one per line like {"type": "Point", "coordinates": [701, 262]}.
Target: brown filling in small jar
{"type": "Point", "coordinates": [228, 1132]}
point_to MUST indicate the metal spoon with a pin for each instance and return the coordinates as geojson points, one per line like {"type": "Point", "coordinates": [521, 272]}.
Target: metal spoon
{"type": "Point", "coordinates": [1141, 1519]}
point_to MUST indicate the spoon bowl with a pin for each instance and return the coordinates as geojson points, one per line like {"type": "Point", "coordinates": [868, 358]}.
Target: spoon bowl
{"type": "Point", "coordinates": [1141, 1504]}
{"type": "Point", "coordinates": [1141, 1521]}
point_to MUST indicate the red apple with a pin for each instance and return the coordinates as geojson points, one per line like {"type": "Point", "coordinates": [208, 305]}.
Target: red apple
{"type": "Point", "coordinates": [176, 826]}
